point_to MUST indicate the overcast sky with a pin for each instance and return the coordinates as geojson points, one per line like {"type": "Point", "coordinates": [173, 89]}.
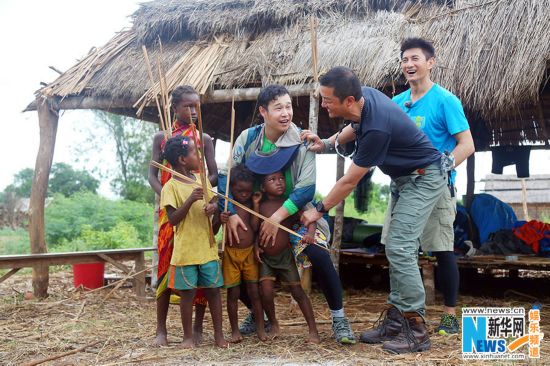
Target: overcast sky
{"type": "Point", "coordinates": [37, 34]}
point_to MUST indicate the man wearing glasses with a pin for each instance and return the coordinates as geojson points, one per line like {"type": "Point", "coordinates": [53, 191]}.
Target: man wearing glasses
{"type": "Point", "coordinates": [386, 137]}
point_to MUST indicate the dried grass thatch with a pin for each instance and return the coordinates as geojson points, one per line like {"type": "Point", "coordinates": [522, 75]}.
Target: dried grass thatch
{"type": "Point", "coordinates": [493, 54]}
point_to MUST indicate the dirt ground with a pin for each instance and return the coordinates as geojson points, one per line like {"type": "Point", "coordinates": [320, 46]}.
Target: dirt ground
{"type": "Point", "coordinates": [119, 329]}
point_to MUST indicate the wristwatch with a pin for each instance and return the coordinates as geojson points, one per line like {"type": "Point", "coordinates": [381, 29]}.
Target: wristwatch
{"type": "Point", "coordinates": [321, 208]}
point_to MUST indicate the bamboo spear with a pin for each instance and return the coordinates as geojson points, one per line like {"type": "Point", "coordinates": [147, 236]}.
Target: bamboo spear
{"type": "Point", "coordinates": [150, 72]}
{"type": "Point", "coordinates": [200, 152]}
{"type": "Point", "coordinates": [229, 163]}
{"type": "Point", "coordinates": [252, 212]}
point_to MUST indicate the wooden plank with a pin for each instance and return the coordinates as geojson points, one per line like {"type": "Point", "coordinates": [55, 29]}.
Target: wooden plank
{"type": "Point", "coordinates": [72, 254]}
{"type": "Point", "coordinates": [9, 274]}
{"type": "Point", "coordinates": [52, 259]}
{"type": "Point", "coordinates": [118, 265]}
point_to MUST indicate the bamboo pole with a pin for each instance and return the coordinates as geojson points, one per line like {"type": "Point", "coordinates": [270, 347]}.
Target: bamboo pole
{"type": "Point", "coordinates": [229, 164]}
{"type": "Point", "coordinates": [252, 212]}
{"type": "Point", "coordinates": [150, 73]}
{"type": "Point", "coordinates": [200, 152]}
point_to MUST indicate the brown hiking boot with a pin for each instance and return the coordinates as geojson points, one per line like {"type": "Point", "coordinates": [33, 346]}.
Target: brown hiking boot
{"type": "Point", "coordinates": [413, 337]}
{"type": "Point", "coordinates": [384, 330]}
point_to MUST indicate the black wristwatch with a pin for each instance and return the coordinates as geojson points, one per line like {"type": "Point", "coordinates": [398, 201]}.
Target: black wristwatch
{"type": "Point", "coordinates": [321, 208]}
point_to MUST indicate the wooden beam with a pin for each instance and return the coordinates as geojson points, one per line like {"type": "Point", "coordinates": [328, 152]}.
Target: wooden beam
{"type": "Point", "coordinates": [240, 95]}
{"type": "Point", "coordinates": [338, 219]}
{"type": "Point", "coordinates": [9, 274]}
{"type": "Point", "coordinates": [48, 117]}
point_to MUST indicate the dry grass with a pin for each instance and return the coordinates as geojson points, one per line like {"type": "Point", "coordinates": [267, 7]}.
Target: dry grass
{"type": "Point", "coordinates": [124, 328]}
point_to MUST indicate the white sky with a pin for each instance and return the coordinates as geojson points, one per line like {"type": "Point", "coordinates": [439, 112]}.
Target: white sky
{"type": "Point", "coordinates": [37, 34]}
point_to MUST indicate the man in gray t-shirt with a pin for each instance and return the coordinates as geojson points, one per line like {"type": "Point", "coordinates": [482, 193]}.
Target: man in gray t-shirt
{"type": "Point", "coordinates": [386, 137]}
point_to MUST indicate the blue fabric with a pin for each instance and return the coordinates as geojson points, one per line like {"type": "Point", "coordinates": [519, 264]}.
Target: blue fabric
{"type": "Point", "coordinates": [439, 114]}
{"type": "Point", "coordinates": [387, 138]}
{"type": "Point", "coordinates": [491, 215]}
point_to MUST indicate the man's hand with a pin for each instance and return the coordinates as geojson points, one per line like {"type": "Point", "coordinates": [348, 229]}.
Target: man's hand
{"type": "Point", "coordinates": [308, 238]}
{"type": "Point", "coordinates": [310, 216]}
{"type": "Point", "coordinates": [233, 224]}
{"type": "Point", "coordinates": [268, 234]}
{"type": "Point", "coordinates": [314, 142]}
{"type": "Point", "coordinates": [224, 217]}
{"type": "Point", "coordinates": [210, 209]}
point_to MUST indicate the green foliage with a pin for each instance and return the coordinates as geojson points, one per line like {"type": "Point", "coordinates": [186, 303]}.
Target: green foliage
{"type": "Point", "coordinates": [67, 181]}
{"type": "Point", "coordinates": [66, 217]}
{"type": "Point", "coordinates": [14, 241]}
{"type": "Point", "coordinates": [133, 143]}
{"type": "Point", "coordinates": [63, 179]}
{"type": "Point", "coordinates": [22, 183]}
{"type": "Point", "coordinates": [122, 235]}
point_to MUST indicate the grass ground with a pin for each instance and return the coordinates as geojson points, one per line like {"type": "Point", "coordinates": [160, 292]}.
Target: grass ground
{"type": "Point", "coordinates": [120, 329]}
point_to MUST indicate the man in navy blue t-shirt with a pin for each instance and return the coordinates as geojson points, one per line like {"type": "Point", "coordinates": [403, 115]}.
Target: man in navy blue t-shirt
{"type": "Point", "coordinates": [386, 137]}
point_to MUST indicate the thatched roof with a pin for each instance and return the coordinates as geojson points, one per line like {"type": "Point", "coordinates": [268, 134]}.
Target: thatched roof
{"type": "Point", "coordinates": [494, 55]}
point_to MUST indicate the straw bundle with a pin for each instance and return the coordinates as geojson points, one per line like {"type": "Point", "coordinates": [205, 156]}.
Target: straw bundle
{"type": "Point", "coordinates": [196, 67]}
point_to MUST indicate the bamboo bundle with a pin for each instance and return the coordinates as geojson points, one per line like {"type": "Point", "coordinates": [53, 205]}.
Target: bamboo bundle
{"type": "Point", "coordinates": [199, 146]}
{"type": "Point", "coordinates": [196, 67]}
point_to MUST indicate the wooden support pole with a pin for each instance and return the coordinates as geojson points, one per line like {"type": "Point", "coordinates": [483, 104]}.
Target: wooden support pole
{"type": "Point", "coordinates": [338, 219]}
{"type": "Point", "coordinates": [139, 278]}
{"type": "Point", "coordinates": [524, 200]}
{"type": "Point", "coordinates": [48, 117]}
{"type": "Point", "coordinates": [429, 282]}
{"type": "Point", "coordinates": [470, 185]}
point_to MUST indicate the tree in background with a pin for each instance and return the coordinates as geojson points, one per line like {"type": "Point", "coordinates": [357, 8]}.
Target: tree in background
{"type": "Point", "coordinates": [64, 179]}
{"type": "Point", "coordinates": [132, 140]}
{"type": "Point", "coordinates": [67, 181]}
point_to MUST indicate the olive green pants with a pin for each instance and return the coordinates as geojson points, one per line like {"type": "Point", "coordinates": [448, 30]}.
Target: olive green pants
{"type": "Point", "coordinates": [413, 201]}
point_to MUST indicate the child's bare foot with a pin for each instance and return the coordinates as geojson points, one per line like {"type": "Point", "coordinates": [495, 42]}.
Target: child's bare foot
{"type": "Point", "coordinates": [161, 340]}
{"type": "Point", "coordinates": [236, 337]}
{"type": "Point", "coordinates": [197, 337]}
{"type": "Point", "coordinates": [314, 338]}
{"type": "Point", "coordinates": [188, 343]}
{"type": "Point", "coordinates": [275, 330]}
{"type": "Point", "coordinates": [262, 335]}
{"type": "Point", "coordinates": [221, 342]}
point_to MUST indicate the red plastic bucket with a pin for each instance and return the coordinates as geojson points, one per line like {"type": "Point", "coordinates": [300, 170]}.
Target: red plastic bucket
{"type": "Point", "coordinates": [89, 275]}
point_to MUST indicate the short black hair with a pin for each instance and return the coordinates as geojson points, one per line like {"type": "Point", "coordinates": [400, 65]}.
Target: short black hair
{"type": "Point", "coordinates": [344, 81]}
{"type": "Point", "coordinates": [425, 45]}
{"type": "Point", "coordinates": [271, 92]}
{"type": "Point", "coordinates": [175, 147]}
{"type": "Point", "coordinates": [240, 173]}
{"type": "Point", "coordinates": [178, 93]}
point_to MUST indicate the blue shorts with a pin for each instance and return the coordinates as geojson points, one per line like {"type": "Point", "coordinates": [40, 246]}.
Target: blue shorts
{"type": "Point", "coordinates": [208, 275]}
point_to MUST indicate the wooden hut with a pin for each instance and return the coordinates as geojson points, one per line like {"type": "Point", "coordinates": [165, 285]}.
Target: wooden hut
{"type": "Point", "coordinates": [493, 54]}
{"type": "Point", "coordinates": [534, 192]}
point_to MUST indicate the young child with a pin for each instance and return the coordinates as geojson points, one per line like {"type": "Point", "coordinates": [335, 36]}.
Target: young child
{"type": "Point", "coordinates": [184, 100]}
{"type": "Point", "coordinates": [239, 263]}
{"type": "Point", "coordinates": [194, 262]}
{"type": "Point", "coordinates": [278, 260]}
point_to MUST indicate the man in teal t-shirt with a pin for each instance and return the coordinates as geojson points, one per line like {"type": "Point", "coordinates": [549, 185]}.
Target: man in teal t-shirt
{"type": "Point", "coordinates": [439, 114]}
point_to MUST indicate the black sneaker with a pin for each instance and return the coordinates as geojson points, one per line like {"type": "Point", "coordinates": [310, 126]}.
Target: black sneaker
{"type": "Point", "coordinates": [449, 325]}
